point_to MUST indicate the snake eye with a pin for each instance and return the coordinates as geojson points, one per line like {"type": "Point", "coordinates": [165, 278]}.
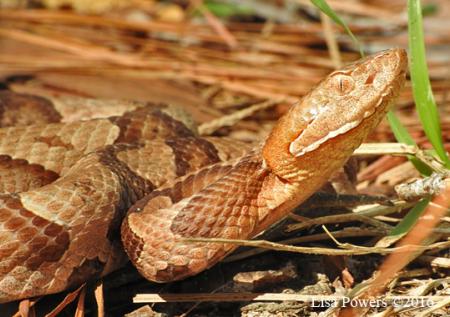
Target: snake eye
{"type": "Point", "coordinates": [343, 84]}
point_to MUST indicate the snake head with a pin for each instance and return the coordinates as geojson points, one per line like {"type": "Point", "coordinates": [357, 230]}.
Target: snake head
{"type": "Point", "coordinates": [352, 98]}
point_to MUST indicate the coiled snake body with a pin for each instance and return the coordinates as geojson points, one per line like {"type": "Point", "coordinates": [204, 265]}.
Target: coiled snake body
{"type": "Point", "coordinates": [69, 188]}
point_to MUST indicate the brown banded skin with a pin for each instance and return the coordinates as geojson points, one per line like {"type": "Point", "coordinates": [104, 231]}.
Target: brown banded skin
{"type": "Point", "coordinates": [22, 110]}
{"type": "Point", "coordinates": [66, 232]}
{"type": "Point", "coordinates": [58, 146]}
{"type": "Point", "coordinates": [18, 109]}
{"type": "Point", "coordinates": [240, 199]}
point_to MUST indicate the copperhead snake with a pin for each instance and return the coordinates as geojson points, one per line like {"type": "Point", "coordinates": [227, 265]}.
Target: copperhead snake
{"type": "Point", "coordinates": [68, 189]}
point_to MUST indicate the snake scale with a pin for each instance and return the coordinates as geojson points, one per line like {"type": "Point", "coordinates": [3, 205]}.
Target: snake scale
{"type": "Point", "coordinates": [80, 198]}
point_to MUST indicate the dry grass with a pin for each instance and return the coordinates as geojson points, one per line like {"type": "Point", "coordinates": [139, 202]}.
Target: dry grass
{"type": "Point", "coordinates": [246, 75]}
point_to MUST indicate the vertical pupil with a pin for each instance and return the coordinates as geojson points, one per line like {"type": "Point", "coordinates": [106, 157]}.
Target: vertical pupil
{"type": "Point", "coordinates": [342, 84]}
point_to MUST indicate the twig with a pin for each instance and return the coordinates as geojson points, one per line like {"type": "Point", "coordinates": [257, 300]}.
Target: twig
{"type": "Point", "coordinates": [360, 9]}
{"type": "Point", "coordinates": [24, 308]}
{"type": "Point", "coordinates": [344, 233]}
{"type": "Point", "coordinates": [421, 188]}
{"type": "Point", "coordinates": [435, 261]}
{"type": "Point", "coordinates": [91, 51]}
{"type": "Point", "coordinates": [216, 24]}
{"type": "Point", "coordinates": [229, 120]}
{"type": "Point", "coordinates": [66, 301]}
{"type": "Point", "coordinates": [243, 297]}
{"type": "Point", "coordinates": [100, 299]}
{"type": "Point", "coordinates": [375, 211]}
{"type": "Point", "coordinates": [221, 287]}
{"type": "Point", "coordinates": [337, 219]}
{"type": "Point", "coordinates": [29, 303]}
{"type": "Point", "coordinates": [441, 304]}
{"type": "Point", "coordinates": [385, 149]}
{"type": "Point", "coordinates": [351, 249]}
{"type": "Point", "coordinates": [80, 305]}
{"type": "Point", "coordinates": [399, 149]}
{"type": "Point", "coordinates": [330, 38]}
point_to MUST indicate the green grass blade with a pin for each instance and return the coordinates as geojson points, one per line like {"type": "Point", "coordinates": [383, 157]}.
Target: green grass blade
{"type": "Point", "coordinates": [226, 10]}
{"type": "Point", "coordinates": [402, 136]}
{"type": "Point", "coordinates": [410, 219]}
{"type": "Point", "coordinates": [403, 227]}
{"type": "Point", "coordinates": [423, 95]}
{"type": "Point", "coordinates": [325, 8]}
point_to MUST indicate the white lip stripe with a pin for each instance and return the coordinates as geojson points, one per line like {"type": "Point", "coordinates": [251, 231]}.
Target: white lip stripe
{"type": "Point", "coordinates": [315, 145]}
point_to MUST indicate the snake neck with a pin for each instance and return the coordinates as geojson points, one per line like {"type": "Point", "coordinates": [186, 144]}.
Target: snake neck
{"type": "Point", "coordinates": [276, 150]}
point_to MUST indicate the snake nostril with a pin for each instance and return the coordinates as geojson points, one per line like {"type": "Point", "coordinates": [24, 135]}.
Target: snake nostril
{"type": "Point", "coordinates": [370, 79]}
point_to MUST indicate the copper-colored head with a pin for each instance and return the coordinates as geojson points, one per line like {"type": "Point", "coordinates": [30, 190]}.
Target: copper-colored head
{"type": "Point", "coordinates": [337, 105]}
